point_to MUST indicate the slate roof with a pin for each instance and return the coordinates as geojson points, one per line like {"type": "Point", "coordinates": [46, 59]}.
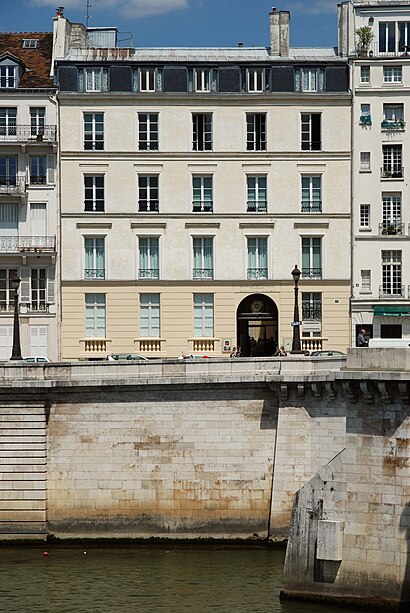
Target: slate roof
{"type": "Point", "coordinates": [36, 62]}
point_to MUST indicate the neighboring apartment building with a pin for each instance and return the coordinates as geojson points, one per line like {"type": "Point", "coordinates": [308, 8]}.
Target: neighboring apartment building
{"type": "Point", "coordinates": [28, 202]}
{"type": "Point", "coordinates": [192, 181]}
{"type": "Point", "coordinates": [381, 146]}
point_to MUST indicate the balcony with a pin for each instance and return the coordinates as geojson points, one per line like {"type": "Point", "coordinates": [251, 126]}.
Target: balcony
{"type": "Point", "coordinates": [203, 273]}
{"type": "Point", "coordinates": [148, 273]}
{"type": "Point", "coordinates": [373, 50]}
{"type": "Point", "coordinates": [365, 120]}
{"type": "Point", "coordinates": [150, 345]}
{"type": "Point", "coordinates": [94, 273]}
{"type": "Point", "coordinates": [38, 179]}
{"type": "Point", "coordinates": [202, 206]}
{"type": "Point", "coordinates": [311, 273]}
{"type": "Point", "coordinates": [148, 206]}
{"type": "Point", "coordinates": [393, 126]}
{"type": "Point", "coordinates": [391, 229]}
{"type": "Point", "coordinates": [203, 344]}
{"type": "Point", "coordinates": [255, 274]}
{"type": "Point", "coordinates": [311, 206]}
{"type": "Point", "coordinates": [391, 291]}
{"type": "Point", "coordinates": [12, 185]}
{"type": "Point", "coordinates": [28, 134]}
{"type": "Point", "coordinates": [27, 244]}
{"type": "Point", "coordinates": [254, 206]}
{"type": "Point", "coordinates": [312, 343]}
{"type": "Point", "coordinates": [395, 172]}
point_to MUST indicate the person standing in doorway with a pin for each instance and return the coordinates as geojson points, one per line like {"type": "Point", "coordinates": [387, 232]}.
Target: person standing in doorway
{"type": "Point", "coordinates": [361, 339]}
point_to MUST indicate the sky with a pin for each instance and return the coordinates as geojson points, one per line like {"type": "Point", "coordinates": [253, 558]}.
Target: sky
{"type": "Point", "coordinates": [183, 23]}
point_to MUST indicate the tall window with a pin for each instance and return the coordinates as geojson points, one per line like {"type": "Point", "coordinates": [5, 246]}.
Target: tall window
{"type": "Point", "coordinates": [256, 131]}
{"type": "Point", "coordinates": [6, 290]}
{"type": "Point", "coordinates": [393, 113]}
{"type": "Point", "coordinates": [257, 199]}
{"type": "Point", "coordinates": [255, 80]}
{"type": "Point", "coordinates": [93, 131]}
{"type": "Point", "coordinates": [392, 74]}
{"type": "Point", "coordinates": [8, 77]}
{"type": "Point", "coordinates": [203, 258]}
{"type": "Point", "coordinates": [392, 214]}
{"type": "Point", "coordinates": [365, 115]}
{"type": "Point", "coordinates": [257, 257]}
{"type": "Point", "coordinates": [148, 131]}
{"type": "Point", "coordinates": [392, 161]}
{"type": "Point", "coordinates": [365, 277]}
{"type": "Point", "coordinates": [391, 274]}
{"type": "Point", "coordinates": [311, 258]}
{"type": "Point", "coordinates": [364, 74]}
{"type": "Point", "coordinates": [311, 132]}
{"type": "Point", "coordinates": [148, 79]}
{"type": "Point", "coordinates": [8, 121]}
{"type": "Point", "coordinates": [202, 80]}
{"type": "Point", "coordinates": [94, 257]}
{"type": "Point", "coordinates": [365, 215]}
{"type": "Point", "coordinates": [148, 257]}
{"type": "Point", "coordinates": [38, 289]}
{"type": "Point", "coordinates": [93, 79]}
{"type": "Point", "coordinates": [309, 79]}
{"type": "Point", "coordinates": [365, 161]}
{"type": "Point", "coordinates": [38, 169]}
{"type": "Point", "coordinates": [8, 170]}
{"type": "Point", "coordinates": [202, 132]}
{"type": "Point", "coordinates": [203, 315]}
{"type": "Point", "coordinates": [394, 36]}
{"type": "Point", "coordinates": [311, 305]}
{"type": "Point", "coordinates": [150, 315]}
{"type": "Point", "coordinates": [37, 120]}
{"type": "Point", "coordinates": [312, 194]}
{"type": "Point", "coordinates": [148, 193]}
{"type": "Point", "coordinates": [95, 315]}
{"type": "Point", "coordinates": [202, 194]}
{"type": "Point", "coordinates": [94, 193]}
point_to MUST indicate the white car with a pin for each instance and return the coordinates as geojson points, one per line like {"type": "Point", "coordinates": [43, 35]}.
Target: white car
{"type": "Point", "coordinates": [37, 359]}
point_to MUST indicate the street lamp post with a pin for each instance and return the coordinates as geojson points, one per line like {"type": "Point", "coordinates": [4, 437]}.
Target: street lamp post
{"type": "Point", "coordinates": [16, 351]}
{"type": "Point", "coordinates": [296, 348]}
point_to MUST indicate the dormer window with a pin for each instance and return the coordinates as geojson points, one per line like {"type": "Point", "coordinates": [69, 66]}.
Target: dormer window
{"type": "Point", "coordinates": [255, 80]}
{"type": "Point", "coordinates": [309, 79]}
{"type": "Point", "coordinates": [8, 77]}
{"type": "Point", "coordinates": [93, 79]}
{"type": "Point", "coordinates": [148, 79]}
{"type": "Point", "coordinates": [202, 80]}
{"type": "Point", "coordinates": [30, 43]}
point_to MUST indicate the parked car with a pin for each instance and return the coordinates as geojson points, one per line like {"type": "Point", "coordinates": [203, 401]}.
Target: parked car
{"type": "Point", "coordinates": [37, 359]}
{"type": "Point", "coordinates": [326, 353]}
{"type": "Point", "coordinates": [115, 357]}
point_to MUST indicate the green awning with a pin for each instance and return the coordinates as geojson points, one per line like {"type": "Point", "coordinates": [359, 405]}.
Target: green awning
{"type": "Point", "coordinates": [391, 311]}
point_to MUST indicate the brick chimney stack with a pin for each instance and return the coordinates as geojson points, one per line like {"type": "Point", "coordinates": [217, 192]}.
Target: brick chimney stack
{"type": "Point", "coordinates": [279, 32]}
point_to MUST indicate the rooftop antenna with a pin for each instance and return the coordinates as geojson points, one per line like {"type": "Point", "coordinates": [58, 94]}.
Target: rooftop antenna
{"type": "Point", "coordinates": [88, 4]}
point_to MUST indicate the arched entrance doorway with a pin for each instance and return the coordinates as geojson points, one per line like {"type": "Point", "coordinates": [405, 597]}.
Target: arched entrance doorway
{"type": "Point", "coordinates": [257, 326]}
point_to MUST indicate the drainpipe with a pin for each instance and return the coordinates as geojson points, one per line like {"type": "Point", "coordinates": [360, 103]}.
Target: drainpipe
{"type": "Point", "coordinates": [352, 182]}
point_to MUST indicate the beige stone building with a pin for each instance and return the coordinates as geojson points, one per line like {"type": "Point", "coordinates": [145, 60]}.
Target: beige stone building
{"type": "Point", "coordinates": [192, 181]}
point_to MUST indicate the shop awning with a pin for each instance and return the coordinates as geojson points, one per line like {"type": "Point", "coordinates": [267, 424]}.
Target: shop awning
{"type": "Point", "coordinates": [391, 311]}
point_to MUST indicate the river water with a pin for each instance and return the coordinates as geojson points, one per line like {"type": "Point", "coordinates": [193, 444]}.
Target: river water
{"type": "Point", "coordinates": [135, 579]}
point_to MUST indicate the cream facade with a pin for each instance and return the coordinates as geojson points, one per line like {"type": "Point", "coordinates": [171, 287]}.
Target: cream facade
{"type": "Point", "coordinates": [184, 210]}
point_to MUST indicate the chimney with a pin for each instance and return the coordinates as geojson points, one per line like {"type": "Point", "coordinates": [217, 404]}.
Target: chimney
{"type": "Point", "coordinates": [279, 32]}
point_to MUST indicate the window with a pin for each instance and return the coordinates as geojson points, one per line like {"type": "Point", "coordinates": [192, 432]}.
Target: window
{"type": "Point", "coordinates": [311, 133]}
{"type": "Point", "coordinates": [364, 74]}
{"type": "Point", "coordinates": [391, 274]}
{"type": "Point", "coordinates": [94, 257]}
{"type": "Point", "coordinates": [8, 121]}
{"type": "Point", "coordinates": [6, 290]}
{"type": "Point", "coordinates": [30, 43]}
{"type": "Point", "coordinates": [148, 79]}
{"type": "Point", "coordinates": [311, 258]}
{"type": "Point", "coordinates": [149, 257]}
{"type": "Point", "coordinates": [203, 80]}
{"type": "Point", "coordinates": [256, 131]}
{"type": "Point", "coordinates": [38, 289]}
{"type": "Point", "coordinates": [365, 276]}
{"type": "Point", "coordinates": [148, 131]}
{"type": "Point", "coordinates": [202, 194]}
{"type": "Point", "coordinates": [150, 315]}
{"type": "Point", "coordinates": [38, 169]}
{"type": "Point", "coordinates": [38, 223]}
{"type": "Point", "coordinates": [148, 193]}
{"type": "Point", "coordinates": [93, 79]}
{"type": "Point", "coordinates": [255, 80]}
{"type": "Point", "coordinates": [365, 161]}
{"type": "Point", "coordinates": [392, 220]}
{"type": "Point", "coordinates": [392, 74]}
{"type": "Point", "coordinates": [202, 132]}
{"type": "Point", "coordinates": [312, 194]}
{"type": "Point", "coordinates": [94, 193]}
{"type": "Point", "coordinates": [392, 162]}
{"type": "Point", "coordinates": [8, 77]}
{"type": "Point", "coordinates": [203, 258]}
{"type": "Point", "coordinates": [203, 315]}
{"type": "Point", "coordinates": [95, 315]}
{"type": "Point", "coordinates": [309, 79]}
{"type": "Point", "coordinates": [365, 215]}
{"type": "Point", "coordinates": [257, 258]}
{"type": "Point", "coordinates": [311, 305]}
{"type": "Point", "coordinates": [394, 37]}
{"type": "Point", "coordinates": [8, 170]}
{"type": "Point", "coordinates": [365, 115]}
{"type": "Point", "coordinates": [93, 131]}
{"type": "Point", "coordinates": [37, 120]}
{"type": "Point", "coordinates": [393, 117]}
{"type": "Point", "coordinates": [257, 200]}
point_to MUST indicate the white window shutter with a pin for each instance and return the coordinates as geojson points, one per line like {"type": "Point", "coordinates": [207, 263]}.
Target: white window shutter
{"type": "Point", "coordinates": [51, 169]}
{"type": "Point", "coordinates": [25, 274]}
{"type": "Point", "coordinates": [51, 286]}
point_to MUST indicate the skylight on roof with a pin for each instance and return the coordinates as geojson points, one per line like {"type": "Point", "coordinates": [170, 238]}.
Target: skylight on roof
{"type": "Point", "coordinates": [30, 43]}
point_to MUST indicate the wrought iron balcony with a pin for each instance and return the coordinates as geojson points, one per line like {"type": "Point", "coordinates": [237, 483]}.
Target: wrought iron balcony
{"type": "Point", "coordinates": [6, 308]}
{"type": "Point", "coordinates": [38, 179]}
{"type": "Point", "coordinates": [311, 273]}
{"type": "Point", "coordinates": [202, 206]}
{"type": "Point", "coordinates": [391, 290]}
{"type": "Point", "coordinates": [12, 185]}
{"type": "Point", "coordinates": [311, 206]}
{"type": "Point", "coordinates": [23, 244]}
{"type": "Point", "coordinates": [149, 273]}
{"type": "Point", "coordinates": [203, 273]}
{"type": "Point", "coordinates": [391, 229]}
{"type": "Point", "coordinates": [148, 206]}
{"type": "Point", "coordinates": [312, 310]}
{"type": "Point", "coordinates": [392, 172]}
{"type": "Point", "coordinates": [24, 134]}
{"type": "Point", "coordinates": [257, 273]}
{"type": "Point", "coordinates": [375, 49]}
{"type": "Point", "coordinates": [365, 120]}
{"type": "Point", "coordinates": [94, 273]}
{"type": "Point", "coordinates": [256, 206]}
{"type": "Point", "coordinates": [393, 125]}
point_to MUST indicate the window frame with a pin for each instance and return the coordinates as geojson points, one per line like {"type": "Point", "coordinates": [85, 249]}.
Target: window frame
{"type": "Point", "coordinates": [94, 252]}
{"type": "Point", "coordinates": [154, 330]}
{"type": "Point", "coordinates": [256, 131]}
{"type": "Point", "coordinates": [152, 256]}
{"type": "Point", "coordinates": [308, 204]}
{"type": "Point", "coordinates": [260, 254]}
{"type": "Point", "coordinates": [393, 74]}
{"type": "Point", "coordinates": [94, 135]}
{"type": "Point", "coordinates": [200, 245]}
{"type": "Point", "coordinates": [152, 129]}
{"type": "Point", "coordinates": [204, 311]}
{"type": "Point", "coordinates": [94, 306]}
{"type": "Point", "coordinates": [149, 193]}
{"type": "Point", "coordinates": [96, 199]}
{"type": "Point", "coordinates": [202, 131]}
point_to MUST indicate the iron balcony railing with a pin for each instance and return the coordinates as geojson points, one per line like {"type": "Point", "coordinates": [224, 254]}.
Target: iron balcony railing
{"type": "Point", "coordinates": [94, 273]}
{"type": "Point", "coordinates": [375, 49]}
{"type": "Point", "coordinates": [257, 206]}
{"type": "Point", "coordinates": [148, 206]}
{"type": "Point", "coordinates": [12, 185]}
{"type": "Point", "coordinates": [37, 244]}
{"type": "Point", "coordinates": [312, 310]}
{"type": "Point", "coordinates": [311, 273]}
{"type": "Point", "coordinates": [257, 273]}
{"type": "Point", "coordinates": [311, 206]}
{"type": "Point", "coordinates": [392, 172]}
{"type": "Point", "coordinates": [202, 206]}
{"type": "Point", "coordinates": [38, 179]}
{"type": "Point", "coordinates": [365, 120]}
{"type": "Point", "coordinates": [203, 273]}
{"type": "Point", "coordinates": [391, 229]}
{"type": "Point", "coordinates": [149, 273]}
{"type": "Point", "coordinates": [24, 134]}
{"type": "Point", "coordinates": [391, 290]}
{"type": "Point", "coordinates": [393, 125]}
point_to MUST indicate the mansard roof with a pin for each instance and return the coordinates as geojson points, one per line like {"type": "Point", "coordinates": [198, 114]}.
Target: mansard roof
{"type": "Point", "coordinates": [35, 61]}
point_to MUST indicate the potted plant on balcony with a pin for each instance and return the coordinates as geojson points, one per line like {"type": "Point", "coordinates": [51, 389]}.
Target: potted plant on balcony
{"type": "Point", "coordinates": [365, 37]}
